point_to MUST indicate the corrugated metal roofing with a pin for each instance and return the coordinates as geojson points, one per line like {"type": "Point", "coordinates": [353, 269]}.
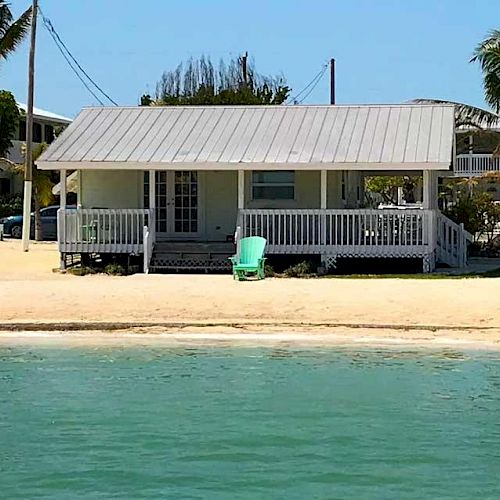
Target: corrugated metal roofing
{"type": "Point", "coordinates": [374, 136]}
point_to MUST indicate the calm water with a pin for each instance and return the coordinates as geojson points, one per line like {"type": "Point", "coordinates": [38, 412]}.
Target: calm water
{"type": "Point", "coordinates": [231, 423]}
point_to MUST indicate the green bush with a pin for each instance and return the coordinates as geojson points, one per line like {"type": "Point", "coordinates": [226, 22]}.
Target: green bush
{"type": "Point", "coordinates": [115, 269]}
{"type": "Point", "coordinates": [478, 213]}
{"type": "Point", "coordinates": [269, 271]}
{"type": "Point", "coordinates": [10, 204]}
{"type": "Point", "coordinates": [301, 270]}
{"type": "Point", "coordinates": [81, 271]}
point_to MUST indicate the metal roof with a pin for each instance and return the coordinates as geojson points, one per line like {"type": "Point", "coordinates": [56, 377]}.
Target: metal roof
{"type": "Point", "coordinates": [251, 137]}
{"type": "Point", "coordinates": [45, 115]}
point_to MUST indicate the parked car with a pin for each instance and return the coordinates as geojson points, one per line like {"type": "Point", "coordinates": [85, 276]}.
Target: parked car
{"type": "Point", "coordinates": [13, 225]}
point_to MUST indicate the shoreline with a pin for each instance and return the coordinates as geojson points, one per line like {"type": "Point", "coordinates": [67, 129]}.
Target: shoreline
{"type": "Point", "coordinates": [256, 335]}
{"type": "Point", "coordinates": [214, 308]}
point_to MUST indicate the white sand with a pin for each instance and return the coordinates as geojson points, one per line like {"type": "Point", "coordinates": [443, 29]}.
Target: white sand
{"type": "Point", "coordinates": [461, 310]}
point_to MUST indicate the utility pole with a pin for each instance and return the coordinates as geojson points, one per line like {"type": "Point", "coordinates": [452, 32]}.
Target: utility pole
{"type": "Point", "coordinates": [28, 169]}
{"type": "Point", "coordinates": [332, 81]}
{"type": "Point", "coordinates": [244, 68]}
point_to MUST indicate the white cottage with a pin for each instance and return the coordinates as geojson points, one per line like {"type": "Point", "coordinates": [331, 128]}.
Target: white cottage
{"type": "Point", "coordinates": [178, 184]}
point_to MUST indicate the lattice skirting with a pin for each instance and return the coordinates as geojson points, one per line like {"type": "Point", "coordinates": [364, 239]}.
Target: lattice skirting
{"type": "Point", "coordinates": [428, 264]}
{"type": "Point", "coordinates": [190, 264]}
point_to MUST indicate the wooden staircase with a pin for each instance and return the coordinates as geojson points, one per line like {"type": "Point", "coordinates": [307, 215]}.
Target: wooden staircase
{"type": "Point", "coordinates": [191, 256]}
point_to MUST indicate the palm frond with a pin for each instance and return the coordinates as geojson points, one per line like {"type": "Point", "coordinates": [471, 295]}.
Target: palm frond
{"type": "Point", "coordinates": [487, 54]}
{"type": "Point", "coordinates": [466, 115]}
{"type": "Point", "coordinates": [12, 33]}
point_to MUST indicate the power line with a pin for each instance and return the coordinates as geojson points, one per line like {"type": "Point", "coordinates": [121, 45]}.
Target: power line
{"type": "Point", "coordinates": [66, 52]}
{"type": "Point", "coordinates": [312, 83]}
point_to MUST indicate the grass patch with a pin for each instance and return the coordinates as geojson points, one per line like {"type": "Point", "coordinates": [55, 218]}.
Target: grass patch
{"type": "Point", "coordinates": [494, 273]}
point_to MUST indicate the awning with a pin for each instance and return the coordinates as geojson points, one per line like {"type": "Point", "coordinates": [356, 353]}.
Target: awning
{"type": "Point", "coordinates": [71, 184]}
{"type": "Point", "coordinates": [367, 137]}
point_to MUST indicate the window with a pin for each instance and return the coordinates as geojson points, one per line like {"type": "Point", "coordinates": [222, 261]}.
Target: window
{"type": "Point", "coordinates": [22, 130]}
{"type": "Point", "coordinates": [273, 185]}
{"type": "Point", "coordinates": [49, 134]}
{"type": "Point", "coordinates": [49, 212]}
{"type": "Point", "coordinates": [37, 132]}
{"type": "Point", "coordinates": [4, 186]}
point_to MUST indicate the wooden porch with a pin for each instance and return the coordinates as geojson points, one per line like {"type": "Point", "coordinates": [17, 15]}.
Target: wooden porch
{"type": "Point", "coordinates": [360, 233]}
{"type": "Point", "coordinates": [330, 233]}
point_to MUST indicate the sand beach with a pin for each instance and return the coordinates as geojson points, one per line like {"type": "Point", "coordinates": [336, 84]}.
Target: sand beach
{"type": "Point", "coordinates": [34, 298]}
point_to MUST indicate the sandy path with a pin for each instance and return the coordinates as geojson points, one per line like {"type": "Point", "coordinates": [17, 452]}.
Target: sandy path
{"type": "Point", "coordinates": [52, 297]}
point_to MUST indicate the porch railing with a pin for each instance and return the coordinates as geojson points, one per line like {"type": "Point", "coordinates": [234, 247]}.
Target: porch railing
{"type": "Point", "coordinates": [451, 242]}
{"type": "Point", "coordinates": [91, 230]}
{"type": "Point", "coordinates": [342, 232]}
{"type": "Point", "coordinates": [476, 164]}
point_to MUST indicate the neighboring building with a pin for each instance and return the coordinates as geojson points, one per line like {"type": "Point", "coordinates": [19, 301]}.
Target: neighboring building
{"type": "Point", "coordinates": [476, 158]}
{"type": "Point", "coordinates": [292, 174]}
{"type": "Point", "coordinates": [45, 126]}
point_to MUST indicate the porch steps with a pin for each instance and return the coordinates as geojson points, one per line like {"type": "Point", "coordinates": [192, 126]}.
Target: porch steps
{"type": "Point", "coordinates": [191, 256]}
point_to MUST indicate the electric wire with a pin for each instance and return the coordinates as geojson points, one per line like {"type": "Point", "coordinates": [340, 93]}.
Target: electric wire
{"type": "Point", "coordinates": [314, 82]}
{"type": "Point", "coordinates": [65, 53]}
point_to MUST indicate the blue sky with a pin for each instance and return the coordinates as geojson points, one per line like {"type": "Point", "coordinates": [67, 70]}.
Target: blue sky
{"type": "Point", "coordinates": [386, 50]}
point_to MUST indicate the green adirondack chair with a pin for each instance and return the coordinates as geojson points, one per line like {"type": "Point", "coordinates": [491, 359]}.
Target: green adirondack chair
{"type": "Point", "coordinates": [251, 258]}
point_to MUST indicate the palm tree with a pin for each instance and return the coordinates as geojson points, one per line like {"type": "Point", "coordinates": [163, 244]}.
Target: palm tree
{"type": "Point", "coordinates": [12, 32]}
{"type": "Point", "coordinates": [487, 54]}
{"type": "Point", "coordinates": [42, 187]}
{"type": "Point", "coordinates": [466, 115]}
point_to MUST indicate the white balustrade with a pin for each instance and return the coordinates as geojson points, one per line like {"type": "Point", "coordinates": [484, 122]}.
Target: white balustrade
{"type": "Point", "coordinates": [451, 242]}
{"type": "Point", "coordinates": [476, 164]}
{"type": "Point", "coordinates": [375, 233]}
{"type": "Point", "coordinates": [110, 230]}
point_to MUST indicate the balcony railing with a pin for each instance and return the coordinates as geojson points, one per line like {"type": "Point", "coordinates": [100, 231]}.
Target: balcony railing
{"type": "Point", "coordinates": [476, 164]}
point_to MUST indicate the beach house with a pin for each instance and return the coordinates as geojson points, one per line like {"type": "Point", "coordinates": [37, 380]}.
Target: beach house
{"type": "Point", "coordinates": [476, 157]}
{"type": "Point", "coordinates": [180, 185]}
{"type": "Point", "coordinates": [45, 126]}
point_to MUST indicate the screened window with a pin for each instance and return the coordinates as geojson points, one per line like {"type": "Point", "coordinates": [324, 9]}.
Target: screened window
{"type": "Point", "coordinates": [273, 185]}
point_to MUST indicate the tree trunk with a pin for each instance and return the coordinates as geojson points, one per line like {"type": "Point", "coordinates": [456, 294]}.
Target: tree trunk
{"type": "Point", "coordinates": [38, 219]}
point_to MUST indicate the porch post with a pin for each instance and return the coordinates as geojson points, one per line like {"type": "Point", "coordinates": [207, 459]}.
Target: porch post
{"type": "Point", "coordinates": [241, 189]}
{"type": "Point", "coordinates": [62, 191]}
{"type": "Point", "coordinates": [430, 202]}
{"type": "Point", "coordinates": [61, 216]}
{"type": "Point", "coordinates": [430, 192]}
{"type": "Point", "coordinates": [152, 189]}
{"type": "Point", "coordinates": [324, 188]}
{"type": "Point", "coordinates": [152, 216]}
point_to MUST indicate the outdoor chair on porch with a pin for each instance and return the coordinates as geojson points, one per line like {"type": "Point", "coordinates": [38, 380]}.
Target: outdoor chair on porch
{"type": "Point", "coordinates": [250, 260]}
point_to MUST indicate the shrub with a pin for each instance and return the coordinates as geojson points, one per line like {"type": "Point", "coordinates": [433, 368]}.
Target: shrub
{"type": "Point", "coordinates": [300, 270]}
{"type": "Point", "coordinates": [10, 204]}
{"type": "Point", "coordinates": [269, 271]}
{"type": "Point", "coordinates": [115, 269]}
{"type": "Point", "coordinates": [478, 213]}
{"type": "Point", "coordinates": [82, 271]}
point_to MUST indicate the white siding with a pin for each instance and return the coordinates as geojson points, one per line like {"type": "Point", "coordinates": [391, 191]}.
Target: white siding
{"type": "Point", "coordinates": [219, 203]}
{"type": "Point", "coordinates": [111, 189]}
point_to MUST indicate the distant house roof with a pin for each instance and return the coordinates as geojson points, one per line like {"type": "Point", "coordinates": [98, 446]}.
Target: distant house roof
{"type": "Point", "coordinates": [47, 115]}
{"type": "Point", "coordinates": [372, 137]}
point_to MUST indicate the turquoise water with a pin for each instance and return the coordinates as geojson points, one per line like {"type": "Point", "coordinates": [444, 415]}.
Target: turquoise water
{"type": "Point", "coordinates": [231, 423]}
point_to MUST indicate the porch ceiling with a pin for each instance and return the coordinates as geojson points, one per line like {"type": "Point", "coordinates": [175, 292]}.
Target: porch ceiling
{"type": "Point", "coordinates": [385, 137]}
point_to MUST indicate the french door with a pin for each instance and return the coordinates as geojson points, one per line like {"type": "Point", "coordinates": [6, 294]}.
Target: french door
{"type": "Point", "coordinates": [177, 204]}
